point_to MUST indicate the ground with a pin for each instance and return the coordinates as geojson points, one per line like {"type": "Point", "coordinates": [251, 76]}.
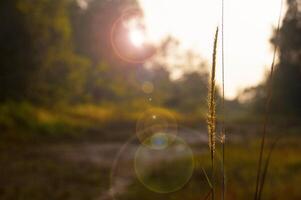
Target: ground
{"type": "Point", "coordinates": [85, 169]}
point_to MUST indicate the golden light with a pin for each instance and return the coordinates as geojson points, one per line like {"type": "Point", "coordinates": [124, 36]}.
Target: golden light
{"type": "Point", "coordinates": [128, 36]}
{"type": "Point", "coordinates": [137, 37]}
{"type": "Point", "coordinates": [248, 29]}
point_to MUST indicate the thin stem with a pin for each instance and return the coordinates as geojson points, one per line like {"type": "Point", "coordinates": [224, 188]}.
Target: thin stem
{"type": "Point", "coordinates": [223, 107]}
{"type": "Point", "coordinates": [267, 106]}
{"type": "Point", "coordinates": [266, 166]}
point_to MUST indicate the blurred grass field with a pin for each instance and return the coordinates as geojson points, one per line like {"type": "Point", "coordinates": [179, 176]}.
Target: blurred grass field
{"type": "Point", "coordinates": [36, 172]}
{"type": "Point", "coordinates": [26, 121]}
{"type": "Point", "coordinates": [82, 86]}
{"type": "Point", "coordinates": [45, 155]}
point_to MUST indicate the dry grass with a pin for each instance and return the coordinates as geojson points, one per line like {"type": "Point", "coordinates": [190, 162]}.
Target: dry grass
{"type": "Point", "coordinates": [260, 178]}
{"type": "Point", "coordinates": [223, 134]}
{"type": "Point", "coordinates": [211, 121]}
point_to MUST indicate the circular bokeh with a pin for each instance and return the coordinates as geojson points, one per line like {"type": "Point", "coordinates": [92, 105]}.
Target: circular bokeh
{"type": "Point", "coordinates": [147, 87]}
{"type": "Point", "coordinates": [164, 168]}
{"type": "Point", "coordinates": [159, 141]}
{"type": "Point", "coordinates": [161, 169]}
{"type": "Point", "coordinates": [155, 121]}
{"type": "Point", "coordinates": [123, 173]}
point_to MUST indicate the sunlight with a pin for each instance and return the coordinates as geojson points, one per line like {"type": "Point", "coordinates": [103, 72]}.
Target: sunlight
{"type": "Point", "coordinates": [137, 37]}
{"type": "Point", "coordinates": [248, 29]}
{"type": "Point", "coordinates": [135, 27]}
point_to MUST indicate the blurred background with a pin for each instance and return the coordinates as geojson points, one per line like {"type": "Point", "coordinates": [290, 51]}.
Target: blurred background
{"type": "Point", "coordinates": [81, 82]}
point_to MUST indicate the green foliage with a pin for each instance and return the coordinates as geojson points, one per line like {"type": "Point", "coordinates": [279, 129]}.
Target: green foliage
{"type": "Point", "coordinates": [188, 93]}
{"type": "Point", "coordinates": [286, 95]}
{"type": "Point", "coordinates": [27, 121]}
{"type": "Point", "coordinates": [287, 88]}
{"type": "Point", "coordinates": [38, 62]}
{"type": "Point", "coordinates": [54, 53]}
{"type": "Point", "coordinates": [281, 183]}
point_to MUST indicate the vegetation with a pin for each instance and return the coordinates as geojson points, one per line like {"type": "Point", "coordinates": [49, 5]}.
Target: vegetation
{"type": "Point", "coordinates": [51, 172]}
{"type": "Point", "coordinates": [212, 112]}
{"type": "Point", "coordinates": [68, 103]}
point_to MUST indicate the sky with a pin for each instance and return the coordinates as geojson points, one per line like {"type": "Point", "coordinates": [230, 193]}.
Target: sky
{"type": "Point", "coordinates": [248, 27]}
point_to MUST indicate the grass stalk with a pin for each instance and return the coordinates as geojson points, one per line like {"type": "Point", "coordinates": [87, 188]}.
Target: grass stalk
{"type": "Point", "coordinates": [266, 167]}
{"type": "Point", "coordinates": [223, 137]}
{"type": "Point", "coordinates": [259, 177]}
{"type": "Point", "coordinates": [211, 120]}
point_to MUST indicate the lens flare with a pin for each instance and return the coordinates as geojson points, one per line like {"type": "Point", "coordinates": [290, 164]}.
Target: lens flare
{"type": "Point", "coordinates": [161, 167]}
{"type": "Point", "coordinates": [164, 168]}
{"type": "Point", "coordinates": [154, 121]}
{"type": "Point", "coordinates": [159, 141]}
{"type": "Point", "coordinates": [147, 87]}
{"type": "Point", "coordinates": [137, 37]}
{"type": "Point", "coordinates": [122, 172]}
{"type": "Point", "coordinates": [128, 38]}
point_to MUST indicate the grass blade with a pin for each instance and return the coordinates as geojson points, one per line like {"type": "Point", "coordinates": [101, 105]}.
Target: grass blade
{"type": "Point", "coordinates": [208, 195]}
{"type": "Point", "coordinates": [207, 178]}
{"type": "Point", "coordinates": [266, 167]}
{"type": "Point", "coordinates": [223, 135]}
{"type": "Point", "coordinates": [266, 118]}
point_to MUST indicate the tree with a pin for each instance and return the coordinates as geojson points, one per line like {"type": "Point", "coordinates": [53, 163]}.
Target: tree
{"type": "Point", "coordinates": [15, 54]}
{"type": "Point", "coordinates": [286, 84]}
{"type": "Point", "coordinates": [287, 76]}
{"type": "Point", "coordinates": [37, 58]}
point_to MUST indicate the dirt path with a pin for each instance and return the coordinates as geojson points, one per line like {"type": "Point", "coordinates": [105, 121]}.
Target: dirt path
{"type": "Point", "coordinates": [104, 155]}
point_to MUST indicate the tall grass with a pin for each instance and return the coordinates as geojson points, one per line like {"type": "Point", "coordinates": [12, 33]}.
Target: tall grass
{"type": "Point", "coordinates": [211, 120]}
{"type": "Point", "coordinates": [261, 175]}
{"type": "Point", "coordinates": [223, 134]}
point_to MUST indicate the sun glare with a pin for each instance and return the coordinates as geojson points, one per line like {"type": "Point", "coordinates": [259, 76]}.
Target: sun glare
{"type": "Point", "coordinates": [136, 37]}
{"type": "Point", "coordinates": [248, 29]}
